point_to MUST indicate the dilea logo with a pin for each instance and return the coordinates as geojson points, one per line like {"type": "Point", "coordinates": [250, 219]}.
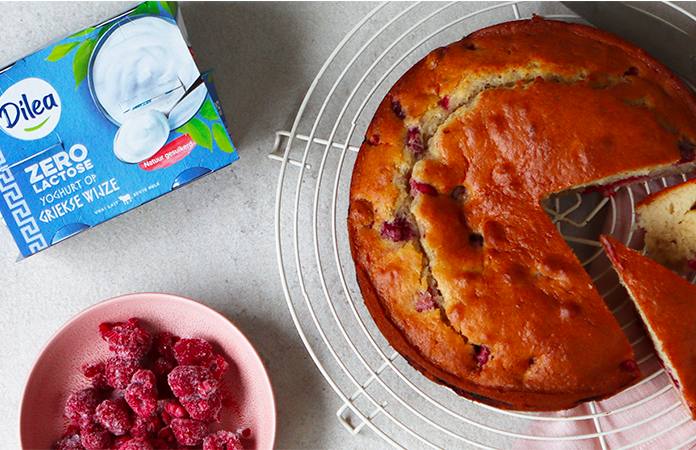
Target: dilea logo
{"type": "Point", "coordinates": [30, 109]}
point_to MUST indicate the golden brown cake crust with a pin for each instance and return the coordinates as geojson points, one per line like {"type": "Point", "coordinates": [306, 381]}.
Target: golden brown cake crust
{"type": "Point", "coordinates": [458, 263]}
{"type": "Point", "coordinates": [667, 304]}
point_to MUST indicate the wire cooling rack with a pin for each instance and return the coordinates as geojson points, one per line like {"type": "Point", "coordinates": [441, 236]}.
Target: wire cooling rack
{"type": "Point", "coordinates": [379, 390]}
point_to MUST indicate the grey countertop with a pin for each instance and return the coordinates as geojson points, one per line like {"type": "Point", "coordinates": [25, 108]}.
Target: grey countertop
{"type": "Point", "coordinates": [212, 240]}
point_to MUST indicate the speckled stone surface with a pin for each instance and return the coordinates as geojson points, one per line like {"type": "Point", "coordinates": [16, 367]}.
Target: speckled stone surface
{"type": "Point", "coordinates": [212, 240]}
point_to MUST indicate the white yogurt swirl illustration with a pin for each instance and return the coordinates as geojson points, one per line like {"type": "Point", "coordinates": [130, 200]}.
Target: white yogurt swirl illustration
{"type": "Point", "coordinates": [141, 137]}
{"type": "Point", "coordinates": [143, 64]}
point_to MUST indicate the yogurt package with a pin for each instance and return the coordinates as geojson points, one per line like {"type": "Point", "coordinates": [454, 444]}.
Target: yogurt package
{"type": "Point", "coordinates": [104, 121]}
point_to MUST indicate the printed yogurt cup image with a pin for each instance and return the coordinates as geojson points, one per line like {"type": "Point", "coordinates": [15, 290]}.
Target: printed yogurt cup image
{"type": "Point", "coordinates": [142, 64]}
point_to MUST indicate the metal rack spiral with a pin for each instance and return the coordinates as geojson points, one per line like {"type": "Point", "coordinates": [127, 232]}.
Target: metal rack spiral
{"type": "Point", "coordinates": [379, 390]}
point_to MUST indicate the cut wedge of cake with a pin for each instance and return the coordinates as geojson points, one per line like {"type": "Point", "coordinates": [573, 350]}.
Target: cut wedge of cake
{"type": "Point", "coordinates": [667, 304]}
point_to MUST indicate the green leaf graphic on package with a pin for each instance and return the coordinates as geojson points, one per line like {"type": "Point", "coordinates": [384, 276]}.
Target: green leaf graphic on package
{"type": "Point", "coordinates": [200, 133]}
{"type": "Point", "coordinates": [149, 8]}
{"type": "Point", "coordinates": [84, 47]}
{"type": "Point", "coordinates": [206, 128]}
{"type": "Point", "coordinates": [62, 50]}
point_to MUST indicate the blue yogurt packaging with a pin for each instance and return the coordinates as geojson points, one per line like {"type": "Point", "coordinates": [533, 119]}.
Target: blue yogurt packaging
{"type": "Point", "coordinates": [104, 121]}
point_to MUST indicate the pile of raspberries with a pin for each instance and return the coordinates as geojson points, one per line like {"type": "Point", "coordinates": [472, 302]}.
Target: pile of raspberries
{"type": "Point", "coordinates": [152, 392]}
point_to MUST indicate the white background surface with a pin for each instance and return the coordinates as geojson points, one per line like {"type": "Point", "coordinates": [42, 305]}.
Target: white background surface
{"type": "Point", "coordinates": [211, 241]}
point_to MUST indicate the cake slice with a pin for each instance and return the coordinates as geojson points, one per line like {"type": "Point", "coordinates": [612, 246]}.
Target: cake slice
{"type": "Point", "coordinates": [669, 220]}
{"type": "Point", "coordinates": [667, 304]}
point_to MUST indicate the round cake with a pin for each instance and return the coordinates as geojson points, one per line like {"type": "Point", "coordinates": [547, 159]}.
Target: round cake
{"type": "Point", "coordinates": [458, 263]}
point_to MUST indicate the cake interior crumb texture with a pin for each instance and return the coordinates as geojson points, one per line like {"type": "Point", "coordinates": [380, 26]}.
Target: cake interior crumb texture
{"type": "Point", "coordinates": [669, 220]}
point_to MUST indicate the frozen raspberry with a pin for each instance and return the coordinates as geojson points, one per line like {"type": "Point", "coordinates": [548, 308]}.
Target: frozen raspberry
{"type": "Point", "coordinates": [70, 441]}
{"type": "Point", "coordinates": [482, 354]}
{"type": "Point", "coordinates": [136, 444]}
{"type": "Point", "coordinates": [80, 406]}
{"type": "Point", "coordinates": [163, 366]}
{"type": "Point", "coordinates": [120, 440]}
{"type": "Point", "coordinates": [93, 369]}
{"type": "Point", "coordinates": [444, 102]}
{"type": "Point", "coordinates": [114, 415]}
{"type": "Point", "coordinates": [193, 352]}
{"type": "Point", "coordinates": [96, 372]}
{"type": "Point", "coordinates": [222, 440]}
{"type": "Point", "coordinates": [161, 444]}
{"type": "Point", "coordinates": [189, 431]}
{"type": "Point", "coordinates": [425, 301]}
{"type": "Point", "coordinates": [146, 427]}
{"type": "Point", "coordinates": [192, 380]}
{"type": "Point", "coordinates": [207, 408]}
{"type": "Point", "coordinates": [218, 366]}
{"type": "Point", "coordinates": [126, 339]}
{"type": "Point", "coordinates": [120, 370]}
{"type": "Point", "coordinates": [173, 408]}
{"type": "Point", "coordinates": [166, 435]}
{"type": "Point", "coordinates": [70, 431]}
{"type": "Point", "coordinates": [133, 418]}
{"type": "Point", "coordinates": [422, 188]}
{"type": "Point", "coordinates": [398, 109]}
{"type": "Point", "coordinates": [397, 230]}
{"type": "Point", "coordinates": [95, 437]}
{"type": "Point", "coordinates": [166, 418]}
{"type": "Point", "coordinates": [163, 344]}
{"type": "Point", "coordinates": [141, 393]}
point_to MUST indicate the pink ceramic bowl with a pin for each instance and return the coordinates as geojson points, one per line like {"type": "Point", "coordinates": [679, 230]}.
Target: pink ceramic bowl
{"type": "Point", "coordinates": [57, 370]}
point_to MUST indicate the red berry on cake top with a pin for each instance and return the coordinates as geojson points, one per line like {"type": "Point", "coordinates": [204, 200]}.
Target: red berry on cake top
{"type": "Point", "coordinates": [400, 229]}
